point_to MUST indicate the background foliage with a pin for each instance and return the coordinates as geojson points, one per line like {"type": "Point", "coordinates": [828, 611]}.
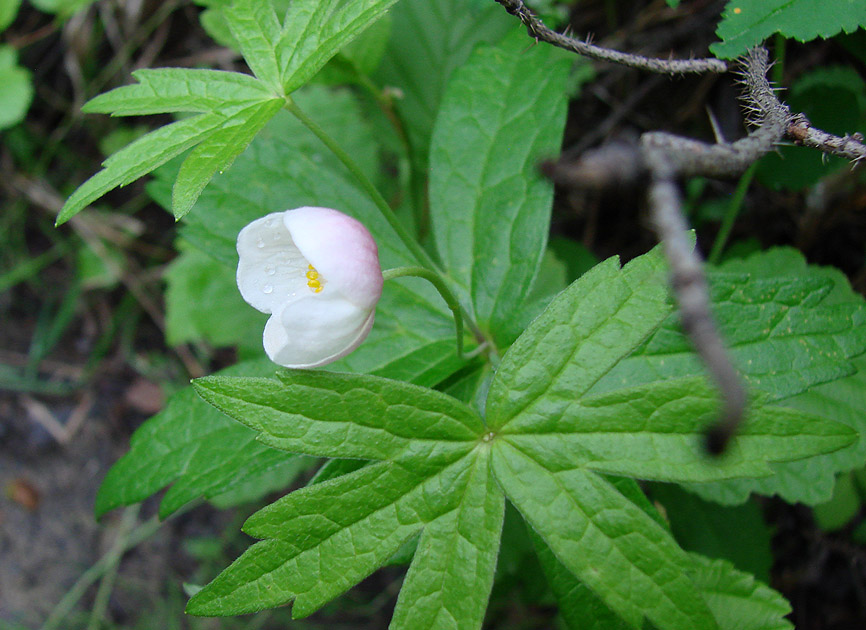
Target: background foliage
{"type": "Point", "coordinates": [447, 108]}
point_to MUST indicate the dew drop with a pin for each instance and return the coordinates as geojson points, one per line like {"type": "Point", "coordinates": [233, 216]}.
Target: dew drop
{"type": "Point", "coordinates": [277, 236]}
{"type": "Point", "coordinates": [269, 223]}
{"type": "Point", "coordinates": [260, 243]}
{"type": "Point", "coordinates": [270, 270]}
{"type": "Point", "coordinates": [268, 289]}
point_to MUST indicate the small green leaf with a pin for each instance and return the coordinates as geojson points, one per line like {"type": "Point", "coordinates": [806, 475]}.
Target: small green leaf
{"type": "Point", "coordinates": [449, 581]}
{"type": "Point", "coordinates": [169, 90]}
{"type": "Point", "coordinates": [484, 172]}
{"type": "Point", "coordinates": [342, 415]}
{"type": "Point", "coordinates": [746, 23]}
{"type": "Point", "coordinates": [257, 31]}
{"type": "Point", "coordinates": [16, 89]}
{"type": "Point", "coordinates": [610, 544]}
{"type": "Point", "coordinates": [584, 332]}
{"type": "Point", "coordinates": [141, 157]}
{"type": "Point", "coordinates": [218, 152]}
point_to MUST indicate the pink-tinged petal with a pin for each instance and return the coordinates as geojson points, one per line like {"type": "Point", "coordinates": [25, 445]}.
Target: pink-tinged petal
{"type": "Point", "coordinates": [316, 330]}
{"type": "Point", "coordinates": [341, 249]}
{"type": "Point", "coordinates": [271, 269]}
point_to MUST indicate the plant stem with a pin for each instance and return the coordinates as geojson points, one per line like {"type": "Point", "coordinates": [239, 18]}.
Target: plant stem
{"type": "Point", "coordinates": [778, 69]}
{"type": "Point", "coordinates": [437, 281]}
{"type": "Point", "coordinates": [104, 564]}
{"type": "Point", "coordinates": [420, 255]}
{"type": "Point", "coordinates": [731, 214]}
{"type": "Point", "coordinates": [103, 594]}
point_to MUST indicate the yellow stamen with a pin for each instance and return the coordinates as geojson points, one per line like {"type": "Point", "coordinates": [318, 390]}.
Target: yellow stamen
{"type": "Point", "coordinates": [313, 280]}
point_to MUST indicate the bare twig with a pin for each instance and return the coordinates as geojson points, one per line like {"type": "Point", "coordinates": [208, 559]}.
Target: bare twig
{"type": "Point", "coordinates": [540, 32]}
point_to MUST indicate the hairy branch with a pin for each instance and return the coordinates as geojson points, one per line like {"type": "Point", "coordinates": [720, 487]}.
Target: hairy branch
{"type": "Point", "coordinates": [540, 32]}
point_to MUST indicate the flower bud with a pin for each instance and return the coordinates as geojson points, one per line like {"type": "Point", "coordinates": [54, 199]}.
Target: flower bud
{"type": "Point", "coordinates": [316, 272]}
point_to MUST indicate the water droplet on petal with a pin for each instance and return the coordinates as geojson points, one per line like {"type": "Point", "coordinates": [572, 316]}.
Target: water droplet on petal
{"type": "Point", "coordinates": [270, 270]}
{"type": "Point", "coordinates": [276, 236]}
{"type": "Point", "coordinates": [269, 223]}
{"type": "Point", "coordinates": [268, 289]}
{"type": "Point", "coordinates": [260, 243]}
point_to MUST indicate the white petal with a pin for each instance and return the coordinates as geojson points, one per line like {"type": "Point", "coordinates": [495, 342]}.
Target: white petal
{"type": "Point", "coordinates": [341, 249]}
{"type": "Point", "coordinates": [271, 270]}
{"type": "Point", "coordinates": [316, 330]}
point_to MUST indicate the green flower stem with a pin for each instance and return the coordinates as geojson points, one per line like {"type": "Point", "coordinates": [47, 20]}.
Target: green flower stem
{"type": "Point", "coordinates": [422, 256]}
{"type": "Point", "coordinates": [436, 280]}
{"type": "Point", "coordinates": [731, 213]}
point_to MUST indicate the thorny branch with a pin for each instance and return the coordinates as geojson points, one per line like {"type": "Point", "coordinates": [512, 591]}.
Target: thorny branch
{"type": "Point", "coordinates": [540, 32]}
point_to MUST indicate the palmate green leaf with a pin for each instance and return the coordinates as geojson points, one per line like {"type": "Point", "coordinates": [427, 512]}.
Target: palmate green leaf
{"type": "Point", "coordinates": [484, 173]}
{"type": "Point", "coordinates": [605, 540]}
{"type": "Point", "coordinates": [316, 30]}
{"type": "Point", "coordinates": [553, 438]}
{"type": "Point", "coordinates": [233, 108]}
{"type": "Point", "coordinates": [218, 152]}
{"type": "Point", "coordinates": [327, 537]}
{"type": "Point", "coordinates": [746, 23]}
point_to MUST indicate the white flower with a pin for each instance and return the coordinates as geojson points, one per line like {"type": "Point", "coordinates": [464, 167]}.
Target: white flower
{"type": "Point", "coordinates": [316, 271]}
